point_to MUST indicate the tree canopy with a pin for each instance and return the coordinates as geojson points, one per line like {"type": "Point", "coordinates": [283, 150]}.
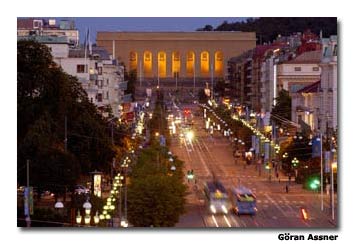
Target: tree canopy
{"type": "Point", "coordinates": [283, 107]}
{"type": "Point", "coordinates": [156, 193]}
{"type": "Point", "coordinates": [46, 96]}
{"type": "Point", "coordinates": [268, 28]}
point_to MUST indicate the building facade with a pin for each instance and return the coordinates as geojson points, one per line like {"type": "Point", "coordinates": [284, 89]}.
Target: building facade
{"type": "Point", "coordinates": [302, 71]}
{"type": "Point", "coordinates": [316, 104]}
{"type": "Point", "coordinates": [99, 74]}
{"type": "Point", "coordinates": [44, 27]}
{"type": "Point", "coordinates": [186, 55]}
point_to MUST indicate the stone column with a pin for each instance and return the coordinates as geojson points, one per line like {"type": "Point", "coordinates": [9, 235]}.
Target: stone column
{"type": "Point", "coordinates": [197, 64]}
{"type": "Point", "coordinates": [140, 65]}
{"type": "Point", "coordinates": [155, 63]}
{"type": "Point", "coordinates": [169, 73]}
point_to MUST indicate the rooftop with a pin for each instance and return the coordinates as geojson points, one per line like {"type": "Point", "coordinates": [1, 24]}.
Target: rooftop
{"type": "Point", "coordinates": [46, 39]}
{"type": "Point", "coordinates": [312, 57]}
{"type": "Point", "coordinates": [177, 36]}
{"type": "Point", "coordinates": [312, 88]}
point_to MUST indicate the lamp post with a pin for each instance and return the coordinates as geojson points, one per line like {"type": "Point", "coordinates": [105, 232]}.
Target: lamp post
{"type": "Point", "coordinates": [193, 78]}
{"type": "Point", "coordinates": [333, 166]}
{"type": "Point", "coordinates": [295, 163]}
{"type": "Point", "coordinates": [125, 165]}
{"type": "Point", "coordinates": [320, 140]}
{"type": "Point", "coordinates": [87, 217]}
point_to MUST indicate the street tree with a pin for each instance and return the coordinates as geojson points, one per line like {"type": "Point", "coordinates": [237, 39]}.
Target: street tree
{"type": "Point", "coordinates": [282, 108]}
{"type": "Point", "coordinates": [49, 103]}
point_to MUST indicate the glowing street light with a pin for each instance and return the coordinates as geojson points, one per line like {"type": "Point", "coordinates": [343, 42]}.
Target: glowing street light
{"type": "Point", "coordinates": [190, 135]}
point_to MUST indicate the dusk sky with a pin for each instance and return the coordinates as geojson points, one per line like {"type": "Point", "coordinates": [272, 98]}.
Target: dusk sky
{"type": "Point", "coordinates": [145, 24]}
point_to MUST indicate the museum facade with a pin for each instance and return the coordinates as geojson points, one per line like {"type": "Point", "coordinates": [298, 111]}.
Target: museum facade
{"type": "Point", "coordinates": [167, 55]}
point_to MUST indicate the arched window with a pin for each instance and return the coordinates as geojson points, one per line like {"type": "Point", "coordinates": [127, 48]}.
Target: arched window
{"type": "Point", "coordinates": [218, 66]}
{"type": "Point", "coordinates": [147, 64]}
{"type": "Point", "coordinates": [176, 64]}
{"type": "Point", "coordinates": [204, 63]}
{"type": "Point", "coordinates": [162, 64]}
{"type": "Point", "coordinates": [133, 61]}
{"type": "Point", "coordinates": [190, 64]}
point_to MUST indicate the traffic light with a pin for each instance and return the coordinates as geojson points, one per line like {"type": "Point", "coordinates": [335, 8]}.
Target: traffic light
{"type": "Point", "coordinates": [314, 184]}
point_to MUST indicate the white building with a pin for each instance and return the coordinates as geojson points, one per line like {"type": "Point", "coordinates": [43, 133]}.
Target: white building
{"type": "Point", "coordinates": [100, 75]}
{"type": "Point", "coordinates": [328, 93]}
{"type": "Point", "coordinates": [316, 104]}
{"type": "Point", "coordinates": [300, 72]}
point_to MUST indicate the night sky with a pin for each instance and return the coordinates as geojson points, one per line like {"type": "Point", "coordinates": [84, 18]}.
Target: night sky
{"type": "Point", "coordinates": [145, 24]}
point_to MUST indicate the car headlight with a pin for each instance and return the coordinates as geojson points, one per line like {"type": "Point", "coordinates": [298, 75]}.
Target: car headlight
{"type": "Point", "coordinates": [224, 209]}
{"type": "Point", "coordinates": [212, 209]}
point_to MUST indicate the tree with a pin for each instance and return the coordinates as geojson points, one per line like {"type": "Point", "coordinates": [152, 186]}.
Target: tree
{"type": "Point", "coordinates": [206, 28]}
{"type": "Point", "coordinates": [268, 28]}
{"type": "Point", "coordinates": [220, 87]}
{"type": "Point", "coordinates": [282, 107]}
{"type": "Point", "coordinates": [132, 78]}
{"type": "Point", "coordinates": [156, 193]}
{"type": "Point", "coordinates": [46, 96]}
{"type": "Point", "coordinates": [155, 201]}
{"type": "Point", "coordinates": [202, 97]}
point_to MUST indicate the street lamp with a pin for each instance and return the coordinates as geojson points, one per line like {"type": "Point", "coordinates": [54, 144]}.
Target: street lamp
{"type": "Point", "coordinates": [87, 206]}
{"type": "Point", "coordinates": [320, 140]}
{"type": "Point", "coordinates": [333, 167]}
{"type": "Point", "coordinates": [295, 163]}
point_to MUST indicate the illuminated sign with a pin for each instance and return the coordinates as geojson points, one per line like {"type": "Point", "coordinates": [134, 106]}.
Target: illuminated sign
{"type": "Point", "coordinates": [97, 185]}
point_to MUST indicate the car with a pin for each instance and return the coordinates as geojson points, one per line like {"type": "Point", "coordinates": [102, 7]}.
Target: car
{"type": "Point", "coordinates": [79, 189]}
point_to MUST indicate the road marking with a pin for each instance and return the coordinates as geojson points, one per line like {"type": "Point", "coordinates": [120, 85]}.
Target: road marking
{"type": "Point", "coordinates": [289, 207]}
{"type": "Point", "coordinates": [275, 204]}
{"type": "Point", "coordinates": [201, 158]}
{"type": "Point", "coordinates": [237, 224]}
{"type": "Point", "coordinates": [227, 221]}
{"type": "Point", "coordinates": [216, 223]}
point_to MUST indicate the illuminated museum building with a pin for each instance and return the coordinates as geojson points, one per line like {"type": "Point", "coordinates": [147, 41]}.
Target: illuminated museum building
{"type": "Point", "coordinates": [165, 55]}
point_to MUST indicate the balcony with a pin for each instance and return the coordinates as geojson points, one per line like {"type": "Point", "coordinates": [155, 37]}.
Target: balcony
{"type": "Point", "coordinates": [93, 76]}
{"type": "Point", "coordinates": [121, 86]}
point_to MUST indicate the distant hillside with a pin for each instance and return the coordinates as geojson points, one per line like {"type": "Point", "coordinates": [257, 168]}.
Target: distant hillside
{"type": "Point", "coordinates": [268, 28]}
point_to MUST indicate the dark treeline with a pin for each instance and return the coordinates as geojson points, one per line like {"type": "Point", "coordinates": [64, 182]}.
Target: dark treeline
{"type": "Point", "coordinates": [268, 28]}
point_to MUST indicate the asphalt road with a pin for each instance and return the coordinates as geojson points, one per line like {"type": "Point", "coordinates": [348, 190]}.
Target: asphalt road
{"type": "Point", "coordinates": [211, 156]}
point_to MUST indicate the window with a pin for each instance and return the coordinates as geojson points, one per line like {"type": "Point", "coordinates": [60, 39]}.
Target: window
{"type": "Point", "coordinates": [297, 68]}
{"type": "Point", "coordinates": [107, 82]}
{"type": "Point", "coordinates": [99, 97]}
{"type": "Point", "coordinates": [107, 95]}
{"type": "Point", "coordinates": [80, 68]}
{"type": "Point", "coordinates": [99, 70]}
{"type": "Point", "coordinates": [315, 69]}
{"type": "Point", "coordinates": [335, 50]}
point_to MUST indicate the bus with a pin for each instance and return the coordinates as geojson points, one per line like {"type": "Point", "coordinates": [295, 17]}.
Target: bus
{"type": "Point", "coordinates": [217, 197]}
{"type": "Point", "coordinates": [243, 201]}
